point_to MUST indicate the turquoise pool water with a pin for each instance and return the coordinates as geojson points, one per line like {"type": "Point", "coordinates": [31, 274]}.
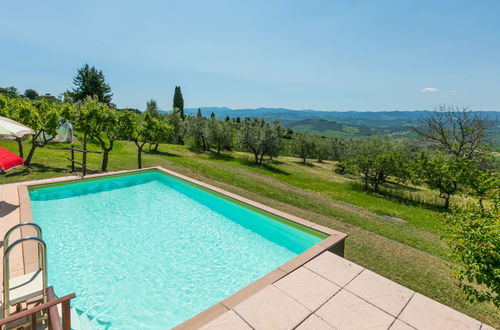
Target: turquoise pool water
{"type": "Point", "coordinates": [148, 251]}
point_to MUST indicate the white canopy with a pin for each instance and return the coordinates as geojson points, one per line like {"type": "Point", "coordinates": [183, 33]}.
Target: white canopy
{"type": "Point", "coordinates": [11, 129]}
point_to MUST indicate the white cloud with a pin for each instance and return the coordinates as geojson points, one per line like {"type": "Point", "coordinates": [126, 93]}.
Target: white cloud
{"type": "Point", "coordinates": [429, 90]}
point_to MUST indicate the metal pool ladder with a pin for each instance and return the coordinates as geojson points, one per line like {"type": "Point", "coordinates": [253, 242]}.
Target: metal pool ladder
{"type": "Point", "coordinates": [24, 287]}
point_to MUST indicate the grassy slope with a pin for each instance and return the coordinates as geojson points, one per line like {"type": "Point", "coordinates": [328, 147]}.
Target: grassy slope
{"type": "Point", "coordinates": [409, 252]}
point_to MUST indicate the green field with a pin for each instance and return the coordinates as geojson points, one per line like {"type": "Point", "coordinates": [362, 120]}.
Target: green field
{"type": "Point", "coordinates": [394, 237]}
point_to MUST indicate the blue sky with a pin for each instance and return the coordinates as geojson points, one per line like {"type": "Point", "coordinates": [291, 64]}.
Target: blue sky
{"type": "Point", "coordinates": [326, 55]}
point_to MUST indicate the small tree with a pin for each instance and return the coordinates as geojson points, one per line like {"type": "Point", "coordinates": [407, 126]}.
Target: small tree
{"type": "Point", "coordinates": [252, 138]}
{"type": "Point", "coordinates": [150, 130]}
{"type": "Point", "coordinates": [90, 82]}
{"type": "Point", "coordinates": [304, 146]}
{"type": "Point", "coordinates": [178, 104]}
{"type": "Point", "coordinates": [457, 131]}
{"type": "Point", "coordinates": [474, 240]}
{"type": "Point", "coordinates": [323, 148]}
{"type": "Point", "coordinates": [219, 134]}
{"type": "Point", "coordinates": [481, 183]}
{"type": "Point", "coordinates": [376, 159]}
{"type": "Point", "coordinates": [152, 108]}
{"type": "Point", "coordinates": [197, 132]}
{"type": "Point", "coordinates": [104, 126]}
{"type": "Point", "coordinates": [273, 143]}
{"type": "Point", "coordinates": [43, 117]}
{"type": "Point", "coordinates": [443, 173]}
{"type": "Point", "coordinates": [175, 120]}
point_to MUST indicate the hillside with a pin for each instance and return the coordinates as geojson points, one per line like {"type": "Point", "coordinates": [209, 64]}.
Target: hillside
{"type": "Point", "coordinates": [341, 123]}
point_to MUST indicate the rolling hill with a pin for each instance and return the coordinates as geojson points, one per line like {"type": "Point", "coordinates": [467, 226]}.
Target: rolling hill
{"type": "Point", "coordinates": [340, 123]}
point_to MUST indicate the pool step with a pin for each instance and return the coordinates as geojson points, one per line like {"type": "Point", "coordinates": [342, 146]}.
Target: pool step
{"type": "Point", "coordinates": [82, 321]}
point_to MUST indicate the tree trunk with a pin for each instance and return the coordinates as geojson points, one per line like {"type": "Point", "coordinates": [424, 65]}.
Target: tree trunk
{"type": "Point", "coordinates": [27, 162]}
{"type": "Point", "coordinates": [256, 155]}
{"type": "Point", "coordinates": [303, 160]}
{"type": "Point", "coordinates": [20, 147]}
{"type": "Point", "coordinates": [156, 147]}
{"type": "Point", "coordinates": [139, 156]}
{"type": "Point", "coordinates": [261, 157]}
{"type": "Point", "coordinates": [105, 157]}
{"type": "Point", "coordinates": [447, 201]}
{"type": "Point", "coordinates": [366, 181]}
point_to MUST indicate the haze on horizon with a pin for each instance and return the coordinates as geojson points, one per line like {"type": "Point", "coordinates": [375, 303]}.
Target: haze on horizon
{"type": "Point", "coordinates": [321, 55]}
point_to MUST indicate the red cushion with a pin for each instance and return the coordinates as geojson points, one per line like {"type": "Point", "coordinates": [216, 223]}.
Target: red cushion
{"type": "Point", "coordinates": [9, 160]}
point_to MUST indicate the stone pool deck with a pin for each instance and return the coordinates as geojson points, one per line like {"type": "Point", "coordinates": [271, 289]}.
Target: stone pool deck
{"type": "Point", "coordinates": [327, 292]}
{"type": "Point", "coordinates": [330, 292]}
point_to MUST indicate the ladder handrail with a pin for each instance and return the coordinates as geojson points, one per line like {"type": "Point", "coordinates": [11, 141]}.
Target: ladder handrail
{"type": "Point", "coordinates": [6, 271]}
{"type": "Point", "coordinates": [19, 225]}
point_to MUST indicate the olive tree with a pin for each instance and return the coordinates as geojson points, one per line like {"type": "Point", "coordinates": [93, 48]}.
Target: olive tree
{"type": "Point", "coordinates": [273, 142]}
{"type": "Point", "coordinates": [323, 148]}
{"type": "Point", "coordinates": [304, 146]}
{"type": "Point", "coordinates": [261, 138]}
{"type": "Point", "coordinates": [196, 132]}
{"type": "Point", "coordinates": [252, 138]}
{"type": "Point", "coordinates": [219, 134]}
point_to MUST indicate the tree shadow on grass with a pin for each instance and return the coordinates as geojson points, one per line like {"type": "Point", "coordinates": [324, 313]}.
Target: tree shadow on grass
{"type": "Point", "coordinates": [222, 156]}
{"type": "Point", "coordinates": [265, 166]}
{"type": "Point", "coordinates": [161, 153]}
{"type": "Point", "coordinates": [36, 168]}
{"type": "Point", "coordinates": [305, 164]}
{"type": "Point", "coordinates": [403, 195]}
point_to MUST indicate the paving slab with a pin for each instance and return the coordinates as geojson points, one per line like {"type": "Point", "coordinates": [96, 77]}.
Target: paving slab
{"type": "Point", "coordinates": [308, 288]}
{"type": "Point", "coordinates": [227, 321]}
{"type": "Point", "coordinates": [271, 308]}
{"type": "Point", "coordinates": [381, 292]}
{"type": "Point", "coordinates": [346, 311]}
{"type": "Point", "coordinates": [334, 268]}
{"type": "Point", "coordinates": [313, 322]}
{"type": "Point", "coordinates": [400, 325]}
{"type": "Point", "coordinates": [425, 313]}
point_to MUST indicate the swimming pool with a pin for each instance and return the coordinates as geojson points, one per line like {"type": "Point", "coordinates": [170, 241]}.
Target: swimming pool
{"type": "Point", "coordinates": [148, 250]}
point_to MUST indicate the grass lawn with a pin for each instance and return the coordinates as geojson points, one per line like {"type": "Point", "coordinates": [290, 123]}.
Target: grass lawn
{"type": "Point", "coordinates": [391, 236]}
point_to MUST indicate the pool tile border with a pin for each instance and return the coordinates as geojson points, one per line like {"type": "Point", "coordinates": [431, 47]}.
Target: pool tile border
{"type": "Point", "coordinates": [333, 243]}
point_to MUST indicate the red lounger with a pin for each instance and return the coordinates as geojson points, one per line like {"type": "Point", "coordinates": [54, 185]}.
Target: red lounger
{"type": "Point", "coordinates": [8, 160]}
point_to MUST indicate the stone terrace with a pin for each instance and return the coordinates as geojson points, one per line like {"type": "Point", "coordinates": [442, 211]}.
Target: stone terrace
{"type": "Point", "coordinates": [330, 292]}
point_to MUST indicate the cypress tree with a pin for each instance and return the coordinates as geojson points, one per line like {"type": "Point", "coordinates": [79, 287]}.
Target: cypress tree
{"type": "Point", "coordinates": [227, 118]}
{"type": "Point", "coordinates": [212, 115]}
{"type": "Point", "coordinates": [198, 114]}
{"type": "Point", "coordinates": [178, 101]}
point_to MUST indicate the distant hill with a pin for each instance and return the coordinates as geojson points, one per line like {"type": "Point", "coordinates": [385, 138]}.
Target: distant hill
{"type": "Point", "coordinates": [338, 123]}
